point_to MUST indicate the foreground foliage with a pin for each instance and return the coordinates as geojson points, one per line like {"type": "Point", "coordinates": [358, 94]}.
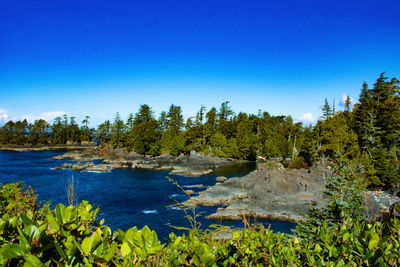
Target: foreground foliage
{"type": "Point", "coordinates": [71, 236]}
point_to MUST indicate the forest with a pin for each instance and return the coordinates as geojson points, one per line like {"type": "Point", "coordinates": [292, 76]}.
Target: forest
{"type": "Point", "coordinates": [366, 133]}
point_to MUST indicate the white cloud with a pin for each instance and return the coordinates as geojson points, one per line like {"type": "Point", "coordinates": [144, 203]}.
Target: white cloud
{"type": "Point", "coordinates": [3, 115]}
{"type": "Point", "coordinates": [47, 116]}
{"type": "Point", "coordinates": [343, 101]}
{"type": "Point", "coordinates": [308, 118]}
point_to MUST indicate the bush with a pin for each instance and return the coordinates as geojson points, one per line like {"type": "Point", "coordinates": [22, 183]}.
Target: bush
{"type": "Point", "coordinates": [298, 163]}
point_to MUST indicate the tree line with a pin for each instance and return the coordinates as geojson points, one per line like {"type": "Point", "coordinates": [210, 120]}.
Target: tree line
{"type": "Point", "coordinates": [367, 134]}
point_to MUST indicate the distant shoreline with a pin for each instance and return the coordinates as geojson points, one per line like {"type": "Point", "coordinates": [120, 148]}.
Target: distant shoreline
{"type": "Point", "coordinates": [26, 148]}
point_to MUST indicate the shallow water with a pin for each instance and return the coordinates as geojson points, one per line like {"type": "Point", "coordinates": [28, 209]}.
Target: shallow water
{"type": "Point", "coordinates": [126, 197]}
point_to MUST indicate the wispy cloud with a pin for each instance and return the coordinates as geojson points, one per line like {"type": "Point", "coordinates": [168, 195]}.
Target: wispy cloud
{"type": "Point", "coordinates": [308, 118]}
{"type": "Point", "coordinates": [47, 116]}
{"type": "Point", "coordinates": [3, 115]}
{"type": "Point", "coordinates": [342, 102]}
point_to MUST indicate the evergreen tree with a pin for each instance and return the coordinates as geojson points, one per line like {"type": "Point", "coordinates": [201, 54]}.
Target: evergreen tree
{"type": "Point", "coordinates": [326, 110]}
{"type": "Point", "coordinates": [118, 132]}
{"type": "Point", "coordinates": [347, 104]}
{"type": "Point", "coordinates": [225, 125]}
{"type": "Point", "coordinates": [245, 138]}
{"type": "Point", "coordinates": [163, 121]}
{"type": "Point", "coordinates": [85, 132]}
{"type": "Point", "coordinates": [103, 132]}
{"type": "Point", "coordinates": [200, 115]}
{"type": "Point", "coordinates": [144, 135]}
{"type": "Point", "coordinates": [175, 118]}
{"type": "Point", "coordinates": [364, 120]}
{"type": "Point", "coordinates": [211, 124]}
{"type": "Point", "coordinates": [130, 122]}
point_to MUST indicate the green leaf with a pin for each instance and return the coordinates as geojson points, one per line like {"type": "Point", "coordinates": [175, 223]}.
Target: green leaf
{"type": "Point", "coordinates": [32, 261]}
{"type": "Point", "coordinates": [155, 249]}
{"type": "Point", "coordinates": [90, 243]}
{"type": "Point", "coordinates": [55, 227]}
{"type": "Point", "coordinates": [155, 239]}
{"type": "Point", "coordinates": [134, 237]}
{"type": "Point", "coordinates": [11, 251]}
{"type": "Point", "coordinates": [236, 235]}
{"type": "Point", "coordinates": [61, 252]}
{"type": "Point", "coordinates": [23, 240]}
{"type": "Point", "coordinates": [69, 214]}
{"type": "Point", "coordinates": [26, 220]}
{"type": "Point", "coordinates": [139, 253]}
{"type": "Point", "coordinates": [110, 252]}
{"type": "Point", "coordinates": [333, 252]}
{"type": "Point", "coordinates": [31, 232]}
{"type": "Point", "coordinates": [125, 249]}
{"type": "Point", "coordinates": [318, 248]}
{"type": "Point", "coordinates": [372, 243]}
{"type": "Point", "coordinates": [59, 212]}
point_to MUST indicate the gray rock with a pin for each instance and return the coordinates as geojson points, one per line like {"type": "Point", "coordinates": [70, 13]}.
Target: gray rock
{"type": "Point", "coordinates": [221, 179]}
{"type": "Point", "coordinates": [189, 192]}
{"type": "Point", "coordinates": [99, 168]}
{"type": "Point", "coordinates": [270, 192]}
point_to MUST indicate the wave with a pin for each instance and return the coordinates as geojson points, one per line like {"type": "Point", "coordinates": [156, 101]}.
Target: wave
{"type": "Point", "coordinates": [174, 196]}
{"type": "Point", "coordinates": [195, 186]}
{"type": "Point", "coordinates": [177, 208]}
{"type": "Point", "coordinates": [96, 171]}
{"type": "Point", "coordinates": [149, 211]}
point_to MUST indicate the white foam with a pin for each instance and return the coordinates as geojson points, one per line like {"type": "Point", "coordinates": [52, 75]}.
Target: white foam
{"type": "Point", "coordinates": [173, 196]}
{"type": "Point", "coordinates": [149, 211]}
{"type": "Point", "coordinates": [92, 171]}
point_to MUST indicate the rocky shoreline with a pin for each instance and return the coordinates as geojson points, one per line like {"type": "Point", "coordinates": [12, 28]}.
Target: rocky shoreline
{"type": "Point", "coordinates": [274, 193]}
{"type": "Point", "coordinates": [270, 192]}
{"type": "Point", "coordinates": [192, 165]}
{"type": "Point", "coordinates": [26, 148]}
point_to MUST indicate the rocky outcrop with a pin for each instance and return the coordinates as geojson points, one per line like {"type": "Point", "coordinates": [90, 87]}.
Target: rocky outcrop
{"type": "Point", "coordinates": [192, 165]}
{"type": "Point", "coordinates": [270, 192]}
{"type": "Point", "coordinates": [189, 192]}
{"type": "Point", "coordinates": [98, 168]}
{"type": "Point", "coordinates": [77, 155]}
{"type": "Point", "coordinates": [379, 203]}
{"type": "Point", "coordinates": [273, 193]}
{"type": "Point", "coordinates": [87, 166]}
{"type": "Point", "coordinates": [221, 179]}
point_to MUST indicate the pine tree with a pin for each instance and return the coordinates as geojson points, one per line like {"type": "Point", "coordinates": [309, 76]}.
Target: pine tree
{"type": "Point", "coordinates": [175, 118]}
{"type": "Point", "coordinates": [326, 110]}
{"type": "Point", "coordinates": [347, 104]}
{"type": "Point", "coordinates": [118, 132]}
{"type": "Point", "coordinates": [144, 134]}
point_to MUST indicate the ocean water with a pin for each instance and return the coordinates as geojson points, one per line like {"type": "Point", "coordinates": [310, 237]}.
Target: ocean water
{"type": "Point", "coordinates": [126, 197]}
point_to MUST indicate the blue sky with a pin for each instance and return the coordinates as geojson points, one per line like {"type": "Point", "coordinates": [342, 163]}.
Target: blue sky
{"type": "Point", "coordinates": [99, 57]}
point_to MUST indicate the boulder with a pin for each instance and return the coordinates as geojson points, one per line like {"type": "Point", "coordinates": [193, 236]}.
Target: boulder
{"type": "Point", "coordinates": [189, 192]}
{"type": "Point", "coordinates": [221, 179]}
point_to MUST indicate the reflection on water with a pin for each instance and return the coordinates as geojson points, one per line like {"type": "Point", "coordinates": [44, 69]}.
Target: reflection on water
{"type": "Point", "coordinates": [237, 169]}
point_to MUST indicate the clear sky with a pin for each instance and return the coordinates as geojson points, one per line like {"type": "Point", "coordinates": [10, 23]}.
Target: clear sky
{"type": "Point", "coordinates": [99, 57]}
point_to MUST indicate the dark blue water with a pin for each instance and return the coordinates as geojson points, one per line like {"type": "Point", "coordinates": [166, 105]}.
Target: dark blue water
{"type": "Point", "coordinates": [126, 197]}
